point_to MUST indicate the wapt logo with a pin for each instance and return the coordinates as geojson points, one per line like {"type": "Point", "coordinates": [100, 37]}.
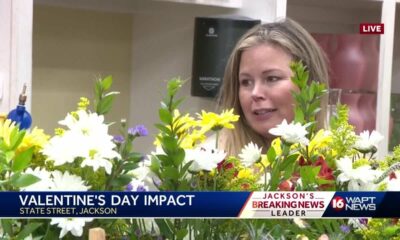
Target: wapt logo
{"type": "Point", "coordinates": [354, 203]}
{"type": "Point", "coordinates": [338, 203]}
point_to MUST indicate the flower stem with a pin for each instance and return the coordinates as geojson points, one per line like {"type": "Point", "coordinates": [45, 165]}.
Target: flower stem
{"type": "Point", "coordinates": [216, 139]}
{"type": "Point", "coordinates": [265, 176]}
{"type": "Point", "coordinates": [215, 181]}
{"type": "Point", "coordinates": [205, 180]}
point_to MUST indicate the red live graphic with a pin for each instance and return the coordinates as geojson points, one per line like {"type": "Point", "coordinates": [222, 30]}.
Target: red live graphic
{"type": "Point", "coordinates": [372, 28]}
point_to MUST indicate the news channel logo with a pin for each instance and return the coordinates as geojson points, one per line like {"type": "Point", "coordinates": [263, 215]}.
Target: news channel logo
{"type": "Point", "coordinates": [364, 203]}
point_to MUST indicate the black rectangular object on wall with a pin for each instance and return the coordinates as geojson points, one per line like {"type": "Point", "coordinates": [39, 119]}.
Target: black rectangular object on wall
{"type": "Point", "coordinates": [214, 39]}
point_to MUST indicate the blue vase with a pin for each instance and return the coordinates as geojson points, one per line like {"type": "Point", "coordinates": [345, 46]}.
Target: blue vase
{"type": "Point", "coordinates": [21, 117]}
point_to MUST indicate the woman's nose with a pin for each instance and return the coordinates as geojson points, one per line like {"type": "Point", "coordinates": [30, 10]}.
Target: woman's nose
{"type": "Point", "coordinates": [257, 92]}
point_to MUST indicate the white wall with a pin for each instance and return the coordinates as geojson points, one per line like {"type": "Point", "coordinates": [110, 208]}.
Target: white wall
{"type": "Point", "coordinates": [71, 49]}
{"type": "Point", "coordinates": [396, 53]}
{"type": "Point", "coordinates": [15, 52]}
{"type": "Point", "coordinates": [5, 52]}
{"type": "Point", "coordinates": [77, 40]}
{"type": "Point", "coordinates": [162, 49]}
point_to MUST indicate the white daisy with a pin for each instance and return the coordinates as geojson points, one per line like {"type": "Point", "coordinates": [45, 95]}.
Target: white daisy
{"type": "Point", "coordinates": [358, 223]}
{"type": "Point", "coordinates": [301, 223]}
{"type": "Point", "coordinates": [393, 183]}
{"type": "Point", "coordinates": [264, 178]}
{"type": "Point", "coordinates": [63, 149]}
{"type": "Point", "coordinates": [98, 151]}
{"type": "Point", "coordinates": [137, 186]}
{"type": "Point", "coordinates": [360, 179]}
{"type": "Point", "coordinates": [250, 154]}
{"type": "Point", "coordinates": [367, 142]}
{"type": "Point", "coordinates": [291, 133]}
{"type": "Point", "coordinates": [85, 123]}
{"type": "Point", "coordinates": [73, 225]}
{"type": "Point", "coordinates": [204, 159]}
{"type": "Point", "coordinates": [67, 182]}
{"type": "Point", "coordinates": [144, 174]}
{"type": "Point", "coordinates": [45, 183]}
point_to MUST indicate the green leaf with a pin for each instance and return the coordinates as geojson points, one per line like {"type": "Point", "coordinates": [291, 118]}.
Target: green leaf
{"type": "Point", "coordinates": [106, 82]}
{"type": "Point", "coordinates": [178, 156]}
{"type": "Point", "coordinates": [185, 169]}
{"type": "Point", "coordinates": [391, 231]}
{"type": "Point", "coordinates": [121, 181]}
{"type": "Point", "coordinates": [27, 230]}
{"type": "Point", "coordinates": [271, 155]}
{"type": "Point", "coordinates": [7, 226]}
{"type": "Point", "coordinates": [164, 104]}
{"type": "Point", "coordinates": [9, 156]}
{"type": "Point", "coordinates": [299, 116]}
{"type": "Point", "coordinates": [165, 226]}
{"type": "Point", "coordinates": [181, 233]}
{"type": "Point", "coordinates": [51, 233]}
{"type": "Point", "coordinates": [183, 186]}
{"type": "Point", "coordinates": [129, 166]}
{"type": "Point", "coordinates": [321, 181]}
{"type": "Point", "coordinates": [22, 160]}
{"type": "Point", "coordinates": [165, 116]}
{"type": "Point", "coordinates": [135, 157]}
{"type": "Point", "coordinates": [170, 172]}
{"type": "Point", "coordinates": [16, 138]}
{"type": "Point", "coordinates": [3, 158]}
{"type": "Point", "coordinates": [275, 177]}
{"type": "Point", "coordinates": [98, 91]}
{"type": "Point", "coordinates": [312, 90]}
{"type": "Point", "coordinates": [165, 160]}
{"type": "Point", "coordinates": [19, 180]}
{"type": "Point", "coordinates": [289, 161]}
{"type": "Point", "coordinates": [176, 103]}
{"type": "Point", "coordinates": [309, 174]}
{"type": "Point", "coordinates": [163, 129]}
{"type": "Point", "coordinates": [155, 164]}
{"type": "Point", "coordinates": [105, 104]}
{"type": "Point", "coordinates": [173, 86]}
{"type": "Point", "coordinates": [288, 172]}
{"type": "Point", "coordinates": [169, 144]}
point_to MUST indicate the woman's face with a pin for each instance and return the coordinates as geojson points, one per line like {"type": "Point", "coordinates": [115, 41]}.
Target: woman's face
{"type": "Point", "coordinates": [265, 87]}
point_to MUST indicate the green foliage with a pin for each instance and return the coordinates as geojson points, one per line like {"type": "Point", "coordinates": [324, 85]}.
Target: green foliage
{"type": "Point", "coordinates": [170, 166]}
{"type": "Point", "coordinates": [104, 100]}
{"type": "Point", "coordinates": [28, 229]}
{"type": "Point", "coordinates": [381, 229]}
{"type": "Point", "coordinates": [342, 134]}
{"type": "Point", "coordinates": [308, 99]}
{"type": "Point", "coordinates": [391, 159]}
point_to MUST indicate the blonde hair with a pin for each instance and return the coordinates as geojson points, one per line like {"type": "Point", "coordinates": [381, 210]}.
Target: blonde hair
{"type": "Point", "coordinates": [297, 42]}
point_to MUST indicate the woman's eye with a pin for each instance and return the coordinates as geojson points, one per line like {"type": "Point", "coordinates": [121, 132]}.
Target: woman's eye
{"type": "Point", "coordinates": [245, 82]}
{"type": "Point", "coordinates": [273, 78]}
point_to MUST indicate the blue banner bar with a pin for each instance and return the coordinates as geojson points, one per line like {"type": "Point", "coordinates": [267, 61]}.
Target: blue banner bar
{"type": "Point", "coordinates": [121, 204]}
{"type": "Point", "coordinates": [200, 204]}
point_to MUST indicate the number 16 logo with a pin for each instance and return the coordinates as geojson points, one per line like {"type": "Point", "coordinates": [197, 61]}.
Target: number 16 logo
{"type": "Point", "coordinates": [338, 203]}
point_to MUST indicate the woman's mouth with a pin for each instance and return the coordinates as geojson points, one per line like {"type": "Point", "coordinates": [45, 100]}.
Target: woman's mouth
{"type": "Point", "coordinates": [263, 111]}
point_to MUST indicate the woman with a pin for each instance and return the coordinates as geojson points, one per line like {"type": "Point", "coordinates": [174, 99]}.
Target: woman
{"type": "Point", "coordinates": [257, 80]}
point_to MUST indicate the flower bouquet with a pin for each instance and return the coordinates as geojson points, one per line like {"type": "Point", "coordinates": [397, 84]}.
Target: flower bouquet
{"type": "Point", "coordinates": [83, 156]}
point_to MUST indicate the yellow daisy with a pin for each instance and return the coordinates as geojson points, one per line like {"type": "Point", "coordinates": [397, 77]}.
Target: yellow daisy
{"type": "Point", "coordinates": [36, 138]}
{"type": "Point", "coordinates": [320, 140]}
{"type": "Point", "coordinates": [245, 173]}
{"type": "Point", "coordinates": [215, 122]}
